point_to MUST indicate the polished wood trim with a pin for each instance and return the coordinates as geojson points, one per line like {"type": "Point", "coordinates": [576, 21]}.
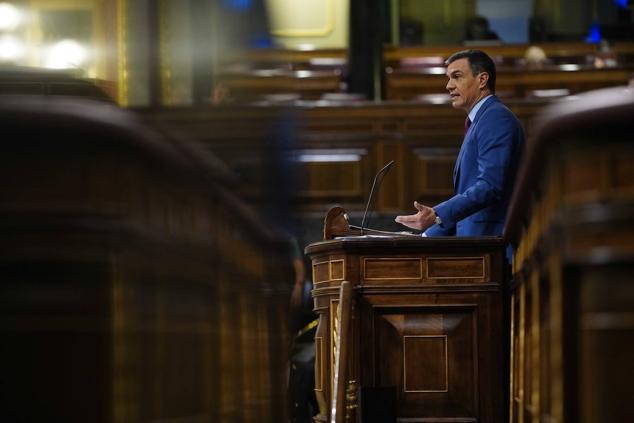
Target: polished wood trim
{"type": "Point", "coordinates": [319, 365]}
{"type": "Point", "coordinates": [122, 52]}
{"type": "Point", "coordinates": [457, 267]}
{"type": "Point", "coordinates": [334, 310]}
{"type": "Point", "coordinates": [319, 275]}
{"type": "Point", "coordinates": [391, 268]}
{"type": "Point", "coordinates": [338, 272]}
{"type": "Point", "coordinates": [536, 349]}
{"type": "Point", "coordinates": [341, 348]}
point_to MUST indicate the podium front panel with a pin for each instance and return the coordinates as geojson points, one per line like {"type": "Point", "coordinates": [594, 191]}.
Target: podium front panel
{"type": "Point", "coordinates": [428, 322]}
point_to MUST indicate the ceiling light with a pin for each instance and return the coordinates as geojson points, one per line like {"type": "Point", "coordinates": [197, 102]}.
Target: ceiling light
{"type": "Point", "coordinates": [10, 17]}
{"type": "Point", "coordinates": [66, 54]}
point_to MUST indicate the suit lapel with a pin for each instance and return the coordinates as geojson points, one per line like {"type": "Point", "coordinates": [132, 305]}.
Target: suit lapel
{"type": "Point", "coordinates": [467, 138]}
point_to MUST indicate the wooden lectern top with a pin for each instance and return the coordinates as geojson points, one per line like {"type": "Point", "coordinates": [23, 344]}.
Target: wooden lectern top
{"type": "Point", "coordinates": [336, 224]}
{"type": "Point", "coordinates": [339, 233]}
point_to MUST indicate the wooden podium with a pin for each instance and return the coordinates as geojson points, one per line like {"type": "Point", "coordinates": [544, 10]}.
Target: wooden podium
{"type": "Point", "coordinates": [427, 321]}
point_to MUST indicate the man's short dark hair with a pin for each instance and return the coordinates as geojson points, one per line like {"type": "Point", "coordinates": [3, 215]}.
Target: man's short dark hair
{"type": "Point", "coordinates": [479, 61]}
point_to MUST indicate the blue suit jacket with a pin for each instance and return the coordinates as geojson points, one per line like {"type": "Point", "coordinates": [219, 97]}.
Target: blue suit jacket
{"type": "Point", "coordinates": [484, 174]}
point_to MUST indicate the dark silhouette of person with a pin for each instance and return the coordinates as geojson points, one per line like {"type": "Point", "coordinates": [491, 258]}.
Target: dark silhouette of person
{"type": "Point", "coordinates": [478, 30]}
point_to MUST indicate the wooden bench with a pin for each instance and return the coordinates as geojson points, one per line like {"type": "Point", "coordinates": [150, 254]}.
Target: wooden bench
{"type": "Point", "coordinates": [511, 82]}
{"type": "Point", "coordinates": [412, 71]}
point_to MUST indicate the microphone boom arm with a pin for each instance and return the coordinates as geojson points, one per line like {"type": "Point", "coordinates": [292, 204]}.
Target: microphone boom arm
{"type": "Point", "coordinates": [381, 173]}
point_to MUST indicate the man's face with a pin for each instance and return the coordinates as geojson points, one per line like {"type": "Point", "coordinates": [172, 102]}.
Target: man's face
{"type": "Point", "coordinates": [465, 88]}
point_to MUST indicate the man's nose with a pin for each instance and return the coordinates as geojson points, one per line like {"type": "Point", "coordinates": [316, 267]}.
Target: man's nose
{"type": "Point", "coordinates": [449, 85]}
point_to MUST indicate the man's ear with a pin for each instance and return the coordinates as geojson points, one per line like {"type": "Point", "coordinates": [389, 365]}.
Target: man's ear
{"type": "Point", "coordinates": [483, 79]}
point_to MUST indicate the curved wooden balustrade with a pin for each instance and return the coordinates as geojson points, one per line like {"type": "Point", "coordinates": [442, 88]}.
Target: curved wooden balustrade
{"type": "Point", "coordinates": [136, 286]}
{"type": "Point", "coordinates": [64, 82]}
{"type": "Point", "coordinates": [572, 224]}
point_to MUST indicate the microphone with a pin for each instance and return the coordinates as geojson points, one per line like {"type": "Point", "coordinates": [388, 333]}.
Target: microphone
{"type": "Point", "coordinates": [378, 178]}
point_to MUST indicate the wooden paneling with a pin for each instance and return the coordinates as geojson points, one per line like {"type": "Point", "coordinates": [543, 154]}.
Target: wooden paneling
{"type": "Point", "coordinates": [257, 85]}
{"type": "Point", "coordinates": [391, 269]}
{"type": "Point", "coordinates": [430, 270]}
{"type": "Point", "coordinates": [474, 268]}
{"type": "Point", "coordinates": [335, 151]}
{"type": "Point", "coordinates": [293, 59]}
{"type": "Point", "coordinates": [430, 354]}
{"type": "Point", "coordinates": [335, 176]}
{"type": "Point", "coordinates": [321, 272]}
{"type": "Point", "coordinates": [334, 269]}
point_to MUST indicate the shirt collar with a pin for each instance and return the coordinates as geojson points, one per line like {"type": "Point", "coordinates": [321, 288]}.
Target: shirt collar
{"type": "Point", "coordinates": [474, 112]}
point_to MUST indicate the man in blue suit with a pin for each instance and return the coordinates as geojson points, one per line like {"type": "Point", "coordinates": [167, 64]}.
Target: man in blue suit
{"type": "Point", "coordinates": [485, 170]}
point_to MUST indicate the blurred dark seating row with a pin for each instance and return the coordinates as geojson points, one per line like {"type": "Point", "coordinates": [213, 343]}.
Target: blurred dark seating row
{"type": "Point", "coordinates": [38, 81]}
{"type": "Point", "coordinates": [524, 71]}
{"type": "Point", "coordinates": [566, 79]}
{"type": "Point", "coordinates": [512, 55]}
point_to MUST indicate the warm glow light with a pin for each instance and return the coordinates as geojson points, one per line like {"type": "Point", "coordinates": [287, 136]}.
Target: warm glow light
{"type": "Point", "coordinates": [334, 155]}
{"type": "Point", "coordinates": [306, 47]}
{"type": "Point", "coordinates": [11, 48]}
{"type": "Point", "coordinates": [10, 17]}
{"type": "Point", "coordinates": [569, 67]}
{"type": "Point", "coordinates": [66, 54]}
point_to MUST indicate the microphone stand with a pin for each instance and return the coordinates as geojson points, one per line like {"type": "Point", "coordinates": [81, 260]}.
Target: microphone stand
{"type": "Point", "coordinates": [381, 173]}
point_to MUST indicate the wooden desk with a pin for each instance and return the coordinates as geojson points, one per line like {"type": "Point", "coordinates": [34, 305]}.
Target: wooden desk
{"type": "Point", "coordinates": [427, 320]}
{"type": "Point", "coordinates": [290, 59]}
{"type": "Point", "coordinates": [258, 84]}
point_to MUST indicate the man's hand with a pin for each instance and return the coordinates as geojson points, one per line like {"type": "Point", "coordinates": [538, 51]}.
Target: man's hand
{"type": "Point", "coordinates": [422, 220]}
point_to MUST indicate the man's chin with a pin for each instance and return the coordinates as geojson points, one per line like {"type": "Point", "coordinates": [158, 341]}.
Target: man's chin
{"type": "Point", "coordinates": [457, 103]}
